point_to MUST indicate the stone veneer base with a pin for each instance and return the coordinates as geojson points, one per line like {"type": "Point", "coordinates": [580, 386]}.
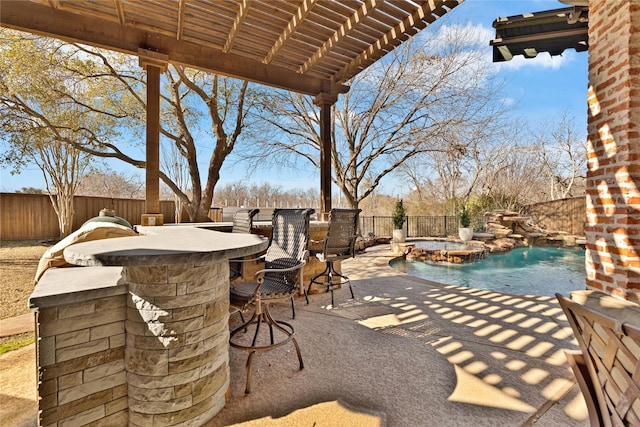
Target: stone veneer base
{"type": "Point", "coordinates": [138, 346]}
{"type": "Point", "coordinates": [139, 336]}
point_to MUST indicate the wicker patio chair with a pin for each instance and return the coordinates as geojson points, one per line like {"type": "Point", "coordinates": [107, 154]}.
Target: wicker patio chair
{"type": "Point", "coordinates": [242, 223]}
{"type": "Point", "coordinates": [281, 277]}
{"type": "Point", "coordinates": [338, 244]}
{"type": "Point", "coordinates": [607, 367]}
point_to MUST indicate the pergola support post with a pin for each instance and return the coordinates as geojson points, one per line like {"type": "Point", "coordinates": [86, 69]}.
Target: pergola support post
{"type": "Point", "coordinates": [155, 64]}
{"type": "Point", "coordinates": [325, 101]}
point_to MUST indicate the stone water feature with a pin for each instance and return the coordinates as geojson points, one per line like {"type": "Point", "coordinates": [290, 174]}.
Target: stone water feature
{"type": "Point", "coordinates": [503, 231]}
{"type": "Point", "coordinates": [445, 250]}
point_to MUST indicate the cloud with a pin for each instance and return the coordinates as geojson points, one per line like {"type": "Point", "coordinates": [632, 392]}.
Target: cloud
{"type": "Point", "coordinates": [478, 34]}
{"type": "Point", "coordinates": [470, 34]}
{"type": "Point", "coordinates": [543, 60]}
{"type": "Point", "coordinates": [508, 101]}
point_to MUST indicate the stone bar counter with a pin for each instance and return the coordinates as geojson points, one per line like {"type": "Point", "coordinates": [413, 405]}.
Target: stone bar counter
{"type": "Point", "coordinates": [139, 334]}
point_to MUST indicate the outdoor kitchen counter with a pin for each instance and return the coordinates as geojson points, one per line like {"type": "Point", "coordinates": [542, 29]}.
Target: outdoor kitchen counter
{"type": "Point", "coordinates": [163, 245]}
{"type": "Point", "coordinates": [175, 322]}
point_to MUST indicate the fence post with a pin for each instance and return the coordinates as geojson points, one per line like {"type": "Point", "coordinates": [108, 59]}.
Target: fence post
{"type": "Point", "coordinates": [406, 218]}
{"type": "Point", "coordinates": [373, 225]}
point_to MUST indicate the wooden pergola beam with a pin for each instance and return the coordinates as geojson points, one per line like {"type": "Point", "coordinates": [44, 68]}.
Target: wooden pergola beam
{"type": "Point", "coordinates": [237, 23]}
{"type": "Point", "coordinates": [426, 13]}
{"type": "Point", "coordinates": [325, 44]}
{"type": "Point", "coordinates": [41, 19]}
{"type": "Point", "coordinates": [366, 9]}
{"type": "Point", "coordinates": [290, 29]}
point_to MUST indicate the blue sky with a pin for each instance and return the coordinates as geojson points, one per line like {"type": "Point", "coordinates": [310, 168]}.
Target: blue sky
{"type": "Point", "coordinates": [539, 89]}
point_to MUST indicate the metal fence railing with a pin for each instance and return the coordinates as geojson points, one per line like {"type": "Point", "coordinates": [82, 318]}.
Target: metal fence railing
{"type": "Point", "coordinates": [416, 226]}
{"type": "Point", "coordinates": [382, 226]}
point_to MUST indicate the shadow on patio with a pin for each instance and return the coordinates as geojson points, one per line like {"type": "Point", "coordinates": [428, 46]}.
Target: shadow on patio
{"type": "Point", "coordinates": [415, 353]}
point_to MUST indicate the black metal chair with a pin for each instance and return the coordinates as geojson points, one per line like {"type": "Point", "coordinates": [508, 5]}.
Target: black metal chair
{"type": "Point", "coordinates": [281, 277]}
{"type": "Point", "coordinates": [242, 223]}
{"type": "Point", "coordinates": [338, 244]}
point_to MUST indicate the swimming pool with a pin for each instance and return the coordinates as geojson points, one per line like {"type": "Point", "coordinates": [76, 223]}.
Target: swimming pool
{"type": "Point", "coordinates": [538, 270]}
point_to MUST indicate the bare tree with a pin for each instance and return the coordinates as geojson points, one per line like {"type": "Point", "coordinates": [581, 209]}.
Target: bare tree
{"type": "Point", "coordinates": [28, 107]}
{"type": "Point", "coordinates": [396, 109]}
{"type": "Point", "coordinates": [105, 182]}
{"type": "Point", "coordinates": [518, 183]}
{"type": "Point", "coordinates": [232, 194]}
{"type": "Point", "coordinates": [30, 190]}
{"type": "Point", "coordinates": [563, 154]}
{"type": "Point", "coordinates": [200, 111]}
{"type": "Point", "coordinates": [264, 195]}
{"type": "Point", "coordinates": [62, 166]}
{"type": "Point", "coordinates": [177, 169]}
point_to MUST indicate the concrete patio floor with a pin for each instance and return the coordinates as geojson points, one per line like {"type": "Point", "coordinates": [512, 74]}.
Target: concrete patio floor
{"type": "Point", "coordinates": [405, 351]}
{"type": "Point", "coordinates": [413, 353]}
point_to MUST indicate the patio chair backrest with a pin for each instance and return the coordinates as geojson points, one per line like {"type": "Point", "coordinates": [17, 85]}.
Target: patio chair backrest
{"type": "Point", "coordinates": [611, 349]}
{"type": "Point", "coordinates": [289, 241]}
{"type": "Point", "coordinates": [243, 220]}
{"type": "Point", "coordinates": [342, 233]}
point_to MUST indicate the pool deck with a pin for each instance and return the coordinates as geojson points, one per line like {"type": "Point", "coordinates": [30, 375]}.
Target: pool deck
{"type": "Point", "coordinates": [417, 353]}
{"type": "Point", "coordinates": [406, 352]}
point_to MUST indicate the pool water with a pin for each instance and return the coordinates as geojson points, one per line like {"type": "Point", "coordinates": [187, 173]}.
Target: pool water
{"type": "Point", "coordinates": [538, 270]}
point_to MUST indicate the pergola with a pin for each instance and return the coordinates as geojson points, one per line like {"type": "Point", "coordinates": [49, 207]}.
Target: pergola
{"type": "Point", "coordinates": [308, 46]}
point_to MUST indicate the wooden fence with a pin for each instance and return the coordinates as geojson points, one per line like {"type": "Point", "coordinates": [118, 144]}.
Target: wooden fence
{"type": "Point", "coordinates": [31, 216]}
{"type": "Point", "coordinates": [559, 215]}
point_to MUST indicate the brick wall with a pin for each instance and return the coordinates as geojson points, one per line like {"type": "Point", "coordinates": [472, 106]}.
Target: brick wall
{"type": "Point", "coordinates": [613, 177]}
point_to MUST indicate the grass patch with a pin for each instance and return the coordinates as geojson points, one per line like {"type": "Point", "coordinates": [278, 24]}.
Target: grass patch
{"type": "Point", "coordinates": [15, 342]}
{"type": "Point", "coordinates": [18, 265]}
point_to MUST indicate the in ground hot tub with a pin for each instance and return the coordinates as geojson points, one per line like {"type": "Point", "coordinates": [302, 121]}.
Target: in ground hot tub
{"type": "Point", "coordinates": [445, 250]}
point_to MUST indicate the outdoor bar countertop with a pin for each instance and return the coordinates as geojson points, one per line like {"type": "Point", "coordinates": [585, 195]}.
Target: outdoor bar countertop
{"type": "Point", "coordinates": [165, 245]}
{"type": "Point", "coordinates": [175, 281]}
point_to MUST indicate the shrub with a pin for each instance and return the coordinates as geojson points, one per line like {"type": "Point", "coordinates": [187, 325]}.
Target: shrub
{"type": "Point", "coordinates": [399, 215]}
{"type": "Point", "coordinates": [465, 219]}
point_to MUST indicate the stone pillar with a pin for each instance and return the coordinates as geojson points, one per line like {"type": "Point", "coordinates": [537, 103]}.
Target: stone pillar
{"type": "Point", "coordinates": [613, 176]}
{"type": "Point", "coordinates": [177, 352]}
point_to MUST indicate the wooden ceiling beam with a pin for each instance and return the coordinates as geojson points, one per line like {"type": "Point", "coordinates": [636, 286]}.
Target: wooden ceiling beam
{"type": "Point", "coordinates": [243, 11]}
{"type": "Point", "coordinates": [297, 19]}
{"type": "Point", "coordinates": [120, 11]}
{"type": "Point", "coordinates": [76, 28]}
{"type": "Point", "coordinates": [422, 16]}
{"type": "Point", "coordinates": [180, 29]}
{"type": "Point", "coordinates": [346, 27]}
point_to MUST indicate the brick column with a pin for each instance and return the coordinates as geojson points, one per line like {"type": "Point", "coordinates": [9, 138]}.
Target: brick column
{"type": "Point", "coordinates": [613, 176]}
